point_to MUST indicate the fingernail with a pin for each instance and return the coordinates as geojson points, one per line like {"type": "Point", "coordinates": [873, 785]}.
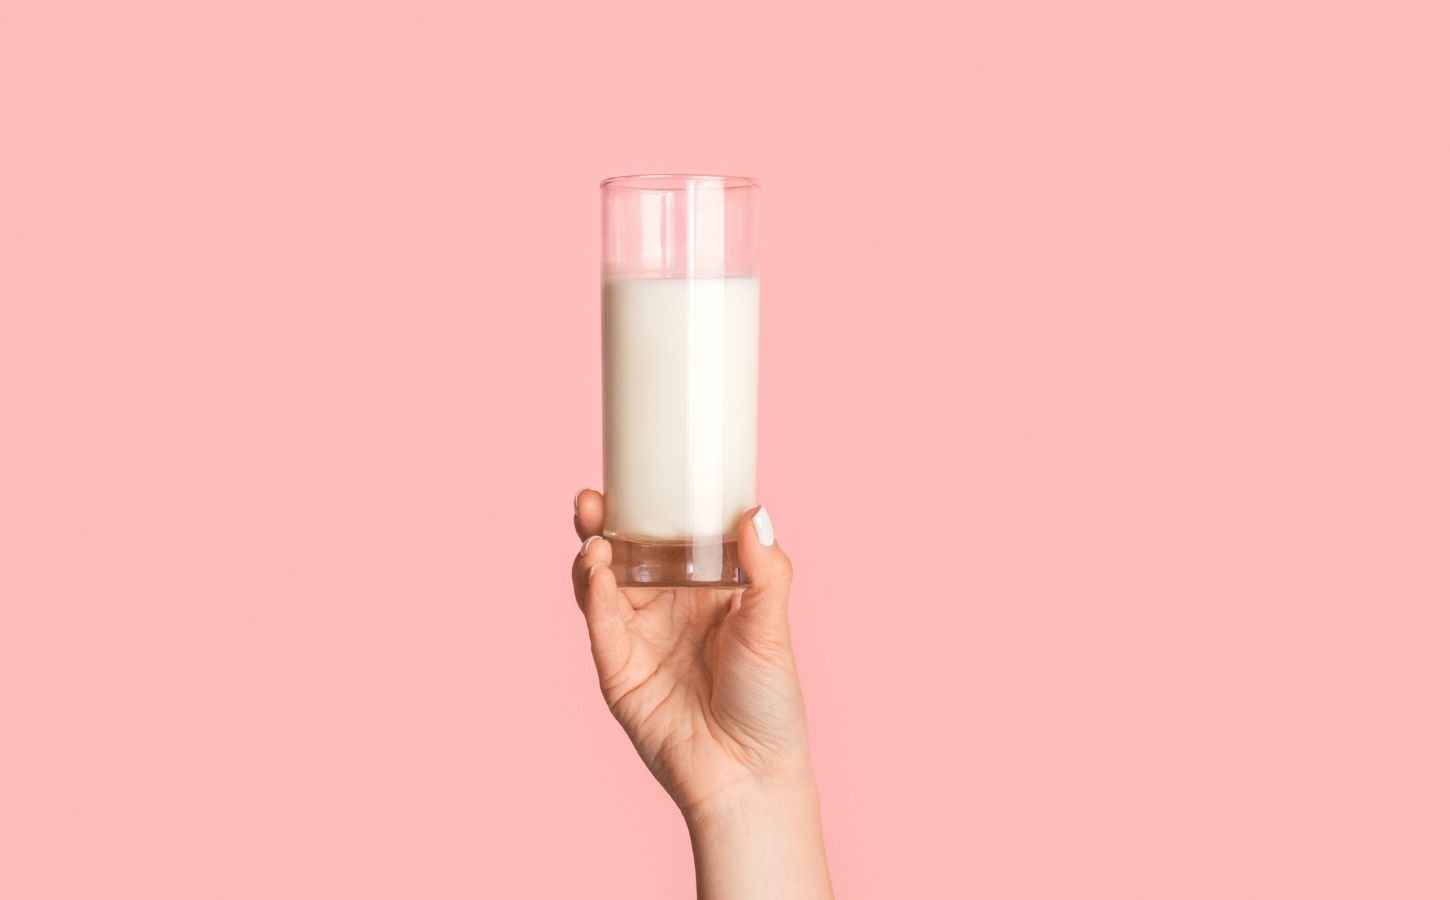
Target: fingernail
{"type": "Point", "coordinates": [763, 529]}
{"type": "Point", "coordinates": [585, 549]}
{"type": "Point", "coordinates": [576, 499]}
{"type": "Point", "coordinates": [592, 569]}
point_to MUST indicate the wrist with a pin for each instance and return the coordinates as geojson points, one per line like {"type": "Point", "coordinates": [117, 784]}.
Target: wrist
{"type": "Point", "coordinates": [785, 792]}
{"type": "Point", "coordinates": [761, 839]}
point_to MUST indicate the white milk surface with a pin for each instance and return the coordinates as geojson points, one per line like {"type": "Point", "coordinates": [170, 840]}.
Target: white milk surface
{"type": "Point", "coordinates": [679, 405]}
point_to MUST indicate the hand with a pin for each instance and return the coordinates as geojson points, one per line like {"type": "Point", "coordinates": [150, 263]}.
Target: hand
{"type": "Point", "coordinates": [704, 682]}
{"type": "Point", "coordinates": [702, 679]}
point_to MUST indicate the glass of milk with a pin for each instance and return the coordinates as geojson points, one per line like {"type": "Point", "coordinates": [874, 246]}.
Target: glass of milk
{"type": "Point", "coordinates": [681, 324]}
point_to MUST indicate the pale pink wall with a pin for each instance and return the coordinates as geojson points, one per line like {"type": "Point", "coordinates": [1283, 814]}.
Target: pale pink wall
{"type": "Point", "coordinates": [1106, 412]}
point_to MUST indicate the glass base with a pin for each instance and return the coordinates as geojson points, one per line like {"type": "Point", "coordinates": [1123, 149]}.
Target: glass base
{"type": "Point", "coordinates": [692, 563]}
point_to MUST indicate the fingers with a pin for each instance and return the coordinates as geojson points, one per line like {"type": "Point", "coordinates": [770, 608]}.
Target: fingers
{"type": "Point", "coordinates": [606, 611]}
{"type": "Point", "coordinates": [588, 513]}
{"type": "Point", "coordinates": [595, 551]}
{"type": "Point", "coordinates": [766, 567]}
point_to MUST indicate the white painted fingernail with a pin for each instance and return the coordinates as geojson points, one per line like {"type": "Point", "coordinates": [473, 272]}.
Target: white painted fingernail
{"type": "Point", "coordinates": [589, 579]}
{"type": "Point", "coordinates": [585, 549]}
{"type": "Point", "coordinates": [576, 499]}
{"type": "Point", "coordinates": [763, 529]}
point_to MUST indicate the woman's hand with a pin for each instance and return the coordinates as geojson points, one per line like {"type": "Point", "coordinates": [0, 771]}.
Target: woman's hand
{"type": "Point", "coordinates": [703, 681]}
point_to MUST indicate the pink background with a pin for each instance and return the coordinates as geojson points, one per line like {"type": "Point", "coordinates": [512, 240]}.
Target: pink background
{"type": "Point", "coordinates": [1106, 414]}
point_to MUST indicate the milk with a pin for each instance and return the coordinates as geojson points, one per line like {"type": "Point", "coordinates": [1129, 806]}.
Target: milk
{"type": "Point", "coordinates": [679, 406]}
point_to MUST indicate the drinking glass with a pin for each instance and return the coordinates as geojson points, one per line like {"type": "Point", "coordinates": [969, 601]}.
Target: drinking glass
{"type": "Point", "coordinates": [681, 314]}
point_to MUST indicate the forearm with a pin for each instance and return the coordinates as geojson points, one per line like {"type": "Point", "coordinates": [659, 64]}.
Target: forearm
{"type": "Point", "coordinates": [762, 843]}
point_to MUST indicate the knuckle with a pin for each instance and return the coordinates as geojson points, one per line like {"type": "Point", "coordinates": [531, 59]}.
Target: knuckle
{"type": "Point", "coordinates": [784, 570]}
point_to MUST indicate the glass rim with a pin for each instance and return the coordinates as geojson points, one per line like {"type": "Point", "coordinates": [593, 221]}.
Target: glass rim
{"type": "Point", "coordinates": [674, 181]}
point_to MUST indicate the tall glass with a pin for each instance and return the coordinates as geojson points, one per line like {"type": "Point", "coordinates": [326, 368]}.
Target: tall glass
{"type": "Point", "coordinates": [681, 340]}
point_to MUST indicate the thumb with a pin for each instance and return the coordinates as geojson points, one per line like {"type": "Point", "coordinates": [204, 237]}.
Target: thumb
{"type": "Point", "coordinates": [766, 566]}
